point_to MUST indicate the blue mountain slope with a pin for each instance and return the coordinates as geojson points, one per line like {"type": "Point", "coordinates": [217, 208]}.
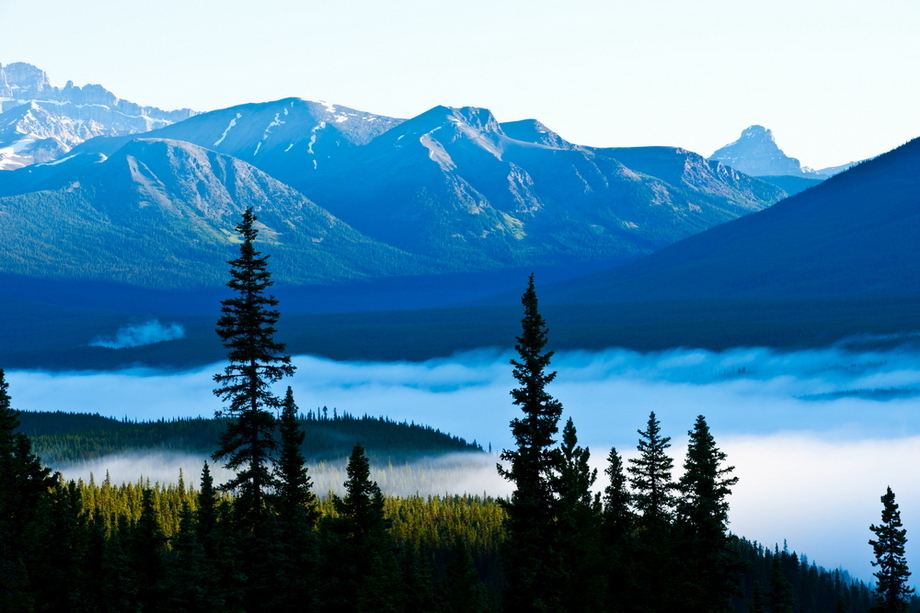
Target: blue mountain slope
{"type": "Point", "coordinates": [854, 235]}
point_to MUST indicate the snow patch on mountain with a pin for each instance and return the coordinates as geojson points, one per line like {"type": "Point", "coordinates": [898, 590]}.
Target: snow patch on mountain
{"type": "Point", "coordinates": [40, 122]}
{"type": "Point", "coordinates": [227, 130]}
{"type": "Point", "coordinates": [437, 153]}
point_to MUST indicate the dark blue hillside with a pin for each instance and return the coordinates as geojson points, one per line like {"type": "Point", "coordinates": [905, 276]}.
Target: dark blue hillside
{"type": "Point", "coordinates": [853, 236]}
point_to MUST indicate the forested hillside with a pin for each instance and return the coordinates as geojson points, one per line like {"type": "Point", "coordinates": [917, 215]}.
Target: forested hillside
{"type": "Point", "coordinates": [60, 437]}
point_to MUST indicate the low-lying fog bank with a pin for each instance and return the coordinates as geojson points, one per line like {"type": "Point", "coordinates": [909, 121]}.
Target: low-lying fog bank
{"type": "Point", "coordinates": [816, 436]}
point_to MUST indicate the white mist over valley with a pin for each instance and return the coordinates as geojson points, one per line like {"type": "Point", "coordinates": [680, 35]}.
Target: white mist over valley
{"type": "Point", "coordinates": [815, 436]}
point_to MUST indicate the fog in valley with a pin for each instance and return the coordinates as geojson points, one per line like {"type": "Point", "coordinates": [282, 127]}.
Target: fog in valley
{"type": "Point", "coordinates": [815, 436]}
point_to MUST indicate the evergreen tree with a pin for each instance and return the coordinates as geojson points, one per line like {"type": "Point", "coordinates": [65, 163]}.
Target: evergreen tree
{"type": "Point", "coordinates": [892, 593]}
{"type": "Point", "coordinates": [191, 580]}
{"type": "Point", "coordinates": [297, 514]}
{"type": "Point", "coordinates": [578, 527]}
{"type": "Point", "coordinates": [651, 476]}
{"type": "Point", "coordinates": [780, 599]}
{"type": "Point", "coordinates": [531, 555]}
{"type": "Point", "coordinates": [295, 498]}
{"type": "Point", "coordinates": [617, 526]}
{"type": "Point", "coordinates": [360, 572]}
{"type": "Point", "coordinates": [711, 568]}
{"type": "Point", "coordinates": [618, 516]}
{"type": "Point", "coordinates": [147, 553]}
{"type": "Point", "coordinates": [61, 550]}
{"type": "Point", "coordinates": [652, 552]}
{"type": "Point", "coordinates": [206, 516]}
{"type": "Point", "coordinates": [24, 487]}
{"type": "Point", "coordinates": [256, 360]}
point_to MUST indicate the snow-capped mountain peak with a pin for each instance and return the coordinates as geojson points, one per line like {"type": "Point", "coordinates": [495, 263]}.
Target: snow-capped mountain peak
{"type": "Point", "coordinates": [40, 122]}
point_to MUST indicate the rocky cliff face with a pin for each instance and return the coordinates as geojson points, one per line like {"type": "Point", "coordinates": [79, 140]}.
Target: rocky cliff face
{"type": "Point", "coordinates": [42, 122]}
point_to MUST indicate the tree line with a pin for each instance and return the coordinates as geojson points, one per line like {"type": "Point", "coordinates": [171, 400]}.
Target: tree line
{"type": "Point", "coordinates": [61, 437]}
{"type": "Point", "coordinates": [264, 541]}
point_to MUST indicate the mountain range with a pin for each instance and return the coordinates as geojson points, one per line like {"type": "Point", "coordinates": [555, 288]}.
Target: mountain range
{"type": "Point", "coordinates": [347, 196]}
{"type": "Point", "coordinates": [362, 212]}
{"type": "Point", "coordinates": [42, 122]}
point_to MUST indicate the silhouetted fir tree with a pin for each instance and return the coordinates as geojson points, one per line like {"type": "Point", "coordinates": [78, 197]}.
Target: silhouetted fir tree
{"type": "Point", "coordinates": [206, 515]}
{"type": "Point", "coordinates": [24, 485]}
{"type": "Point", "coordinates": [617, 500]}
{"type": "Point", "coordinates": [213, 525]}
{"type": "Point", "coordinates": [780, 599]}
{"type": "Point", "coordinates": [147, 553]}
{"type": "Point", "coordinates": [710, 567]}
{"type": "Point", "coordinates": [359, 570]}
{"type": "Point", "coordinates": [295, 503]}
{"type": "Point", "coordinates": [578, 525]}
{"type": "Point", "coordinates": [892, 594]}
{"type": "Point", "coordinates": [256, 361]}
{"type": "Point", "coordinates": [617, 522]}
{"type": "Point", "coordinates": [652, 554]}
{"type": "Point", "coordinates": [530, 553]}
{"type": "Point", "coordinates": [295, 496]}
{"type": "Point", "coordinates": [651, 476]}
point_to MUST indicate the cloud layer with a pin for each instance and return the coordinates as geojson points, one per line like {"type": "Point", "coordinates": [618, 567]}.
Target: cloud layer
{"type": "Point", "coordinates": [810, 471]}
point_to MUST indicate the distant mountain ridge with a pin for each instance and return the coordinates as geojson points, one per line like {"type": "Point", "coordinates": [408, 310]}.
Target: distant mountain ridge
{"type": "Point", "coordinates": [852, 236]}
{"type": "Point", "coordinates": [756, 153]}
{"type": "Point", "coordinates": [41, 122]}
{"type": "Point", "coordinates": [160, 213]}
{"type": "Point", "coordinates": [451, 191]}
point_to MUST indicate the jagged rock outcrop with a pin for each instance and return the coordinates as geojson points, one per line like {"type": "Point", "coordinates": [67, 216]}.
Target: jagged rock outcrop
{"type": "Point", "coordinates": [41, 122]}
{"type": "Point", "coordinates": [757, 154]}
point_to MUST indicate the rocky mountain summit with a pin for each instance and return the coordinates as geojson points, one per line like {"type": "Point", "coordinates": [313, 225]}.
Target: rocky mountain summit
{"type": "Point", "coordinates": [757, 154]}
{"type": "Point", "coordinates": [42, 122]}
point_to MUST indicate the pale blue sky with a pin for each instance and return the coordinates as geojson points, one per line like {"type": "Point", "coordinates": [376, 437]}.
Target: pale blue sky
{"type": "Point", "coordinates": [835, 80]}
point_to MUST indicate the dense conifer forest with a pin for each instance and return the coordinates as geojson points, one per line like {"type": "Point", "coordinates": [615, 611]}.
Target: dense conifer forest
{"type": "Point", "coordinates": [636, 540]}
{"type": "Point", "coordinates": [60, 437]}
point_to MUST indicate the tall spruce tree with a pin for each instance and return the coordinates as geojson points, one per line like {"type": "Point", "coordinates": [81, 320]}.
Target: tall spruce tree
{"type": "Point", "coordinates": [892, 594]}
{"type": "Point", "coordinates": [711, 569]}
{"type": "Point", "coordinates": [295, 498]}
{"type": "Point", "coordinates": [652, 554]}
{"type": "Point", "coordinates": [531, 554]}
{"type": "Point", "coordinates": [295, 504]}
{"type": "Point", "coordinates": [578, 527]}
{"type": "Point", "coordinates": [651, 481]}
{"type": "Point", "coordinates": [256, 360]}
{"type": "Point", "coordinates": [359, 570]}
{"type": "Point", "coordinates": [24, 488]}
{"type": "Point", "coordinates": [617, 527]}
